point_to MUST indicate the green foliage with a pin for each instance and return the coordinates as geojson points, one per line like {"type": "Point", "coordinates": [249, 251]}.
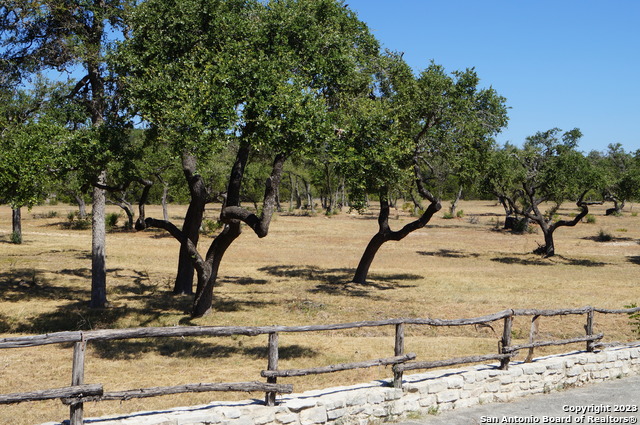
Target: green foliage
{"type": "Point", "coordinates": [447, 215]}
{"type": "Point", "coordinates": [634, 318]}
{"type": "Point", "coordinates": [460, 213]}
{"type": "Point", "coordinates": [522, 226]}
{"type": "Point", "coordinates": [591, 219]}
{"type": "Point", "coordinates": [111, 220]}
{"type": "Point", "coordinates": [620, 174]}
{"type": "Point", "coordinates": [210, 227]}
{"type": "Point", "coordinates": [31, 133]}
{"type": "Point", "coordinates": [75, 223]}
{"type": "Point", "coordinates": [15, 238]}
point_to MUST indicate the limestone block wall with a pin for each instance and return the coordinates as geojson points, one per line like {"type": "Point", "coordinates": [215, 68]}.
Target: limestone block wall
{"type": "Point", "coordinates": [426, 392]}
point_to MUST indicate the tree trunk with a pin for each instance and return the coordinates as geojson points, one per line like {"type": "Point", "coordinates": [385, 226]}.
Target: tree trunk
{"type": "Point", "coordinates": [362, 271]}
{"type": "Point", "coordinates": [203, 303]}
{"type": "Point", "coordinates": [165, 192]}
{"type": "Point", "coordinates": [232, 215]}
{"type": "Point", "coordinates": [16, 226]}
{"type": "Point", "coordinates": [454, 204]}
{"type": "Point", "coordinates": [126, 207]}
{"type": "Point", "coordinates": [277, 200]}
{"type": "Point", "coordinates": [191, 225]}
{"type": "Point", "coordinates": [98, 244]}
{"type": "Point", "coordinates": [386, 234]}
{"type": "Point", "coordinates": [297, 194]}
{"type": "Point", "coordinates": [307, 188]}
{"type": "Point", "coordinates": [548, 250]}
{"type": "Point", "coordinates": [82, 206]}
{"type": "Point", "coordinates": [183, 284]}
{"type": "Point", "coordinates": [165, 209]}
{"type": "Point", "coordinates": [291, 192]}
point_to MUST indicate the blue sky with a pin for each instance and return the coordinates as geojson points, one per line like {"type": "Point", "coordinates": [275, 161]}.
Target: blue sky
{"type": "Point", "coordinates": [559, 63]}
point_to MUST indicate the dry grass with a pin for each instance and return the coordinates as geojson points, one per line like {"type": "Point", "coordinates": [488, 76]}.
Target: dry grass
{"type": "Point", "coordinates": [298, 275]}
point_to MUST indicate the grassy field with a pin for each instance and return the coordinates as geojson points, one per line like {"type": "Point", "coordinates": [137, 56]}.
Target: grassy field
{"type": "Point", "coordinates": [298, 275]}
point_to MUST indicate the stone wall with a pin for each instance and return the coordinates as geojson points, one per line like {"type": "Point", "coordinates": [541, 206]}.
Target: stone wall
{"type": "Point", "coordinates": [424, 393]}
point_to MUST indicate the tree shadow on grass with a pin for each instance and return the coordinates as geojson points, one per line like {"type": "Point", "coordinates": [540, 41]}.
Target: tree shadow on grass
{"type": "Point", "coordinates": [73, 316]}
{"type": "Point", "coordinates": [187, 347]}
{"type": "Point", "coordinates": [527, 260]}
{"type": "Point", "coordinates": [599, 238]}
{"type": "Point", "coordinates": [581, 262]}
{"type": "Point", "coordinates": [524, 261]}
{"type": "Point", "coordinates": [449, 253]}
{"type": "Point", "coordinates": [18, 285]}
{"type": "Point", "coordinates": [634, 259]}
{"type": "Point", "coordinates": [240, 280]}
{"type": "Point", "coordinates": [338, 281]}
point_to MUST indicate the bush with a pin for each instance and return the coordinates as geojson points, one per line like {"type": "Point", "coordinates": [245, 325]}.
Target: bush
{"type": "Point", "coordinates": [79, 224]}
{"type": "Point", "coordinates": [591, 218]}
{"type": "Point", "coordinates": [603, 236]}
{"type": "Point", "coordinates": [111, 220]}
{"type": "Point", "coordinates": [522, 226]}
{"type": "Point", "coordinates": [16, 238]}
{"type": "Point", "coordinates": [460, 213]}
{"type": "Point", "coordinates": [209, 227]}
{"type": "Point", "coordinates": [447, 216]}
{"type": "Point", "coordinates": [634, 318]}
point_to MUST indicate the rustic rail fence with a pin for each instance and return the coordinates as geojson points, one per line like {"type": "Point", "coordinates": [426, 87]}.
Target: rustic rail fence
{"type": "Point", "coordinates": [79, 392]}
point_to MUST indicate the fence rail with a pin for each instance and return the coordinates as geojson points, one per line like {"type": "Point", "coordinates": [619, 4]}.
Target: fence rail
{"type": "Point", "coordinates": [79, 392]}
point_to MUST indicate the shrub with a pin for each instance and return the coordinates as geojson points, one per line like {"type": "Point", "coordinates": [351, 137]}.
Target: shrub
{"type": "Point", "coordinates": [16, 238]}
{"type": "Point", "coordinates": [447, 216]}
{"type": "Point", "coordinates": [210, 226]}
{"type": "Point", "coordinates": [603, 236]}
{"type": "Point", "coordinates": [591, 218]}
{"type": "Point", "coordinates": [80, 224]}
{"type": "Point", "coordinates": [460, 213]}
{"type": "Point", "coordinates": [76, 224]}
{"type": "Point", "coordinates": [111, 220]}
{"type": "Point", "coordinates": [634, 318]}
{"type": "Point", "coordinates": [522, 226]}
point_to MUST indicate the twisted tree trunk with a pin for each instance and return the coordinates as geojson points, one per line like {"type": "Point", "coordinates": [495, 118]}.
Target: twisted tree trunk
{"type": "Point", "coordinates": [385, 234]}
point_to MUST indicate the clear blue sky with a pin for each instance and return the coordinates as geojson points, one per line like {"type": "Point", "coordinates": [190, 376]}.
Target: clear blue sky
{"type": "Point", "coordinates": [559, 63]}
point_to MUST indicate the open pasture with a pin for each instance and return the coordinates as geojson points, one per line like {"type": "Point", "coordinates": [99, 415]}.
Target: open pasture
{"type": "Point", "coordinates": [297, 275]}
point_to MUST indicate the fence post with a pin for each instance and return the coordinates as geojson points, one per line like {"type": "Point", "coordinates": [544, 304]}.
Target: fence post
{"type": "Point", "coordinates": [533, 332]}
{"type": "Point", "coordinates": [270, 397]}
{"type": "Point", "coordinates": [589, 329]}
{"type": "Point", "coordinates": [506, 341]}
{"type": "Point", "coordinates": [76, 410]}
{"type": "Point", "coordinates": [399, 351]}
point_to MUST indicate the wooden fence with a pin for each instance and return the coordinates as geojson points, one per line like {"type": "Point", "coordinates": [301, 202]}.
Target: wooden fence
{"type": "Point", "coordinates": [79, 392]}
